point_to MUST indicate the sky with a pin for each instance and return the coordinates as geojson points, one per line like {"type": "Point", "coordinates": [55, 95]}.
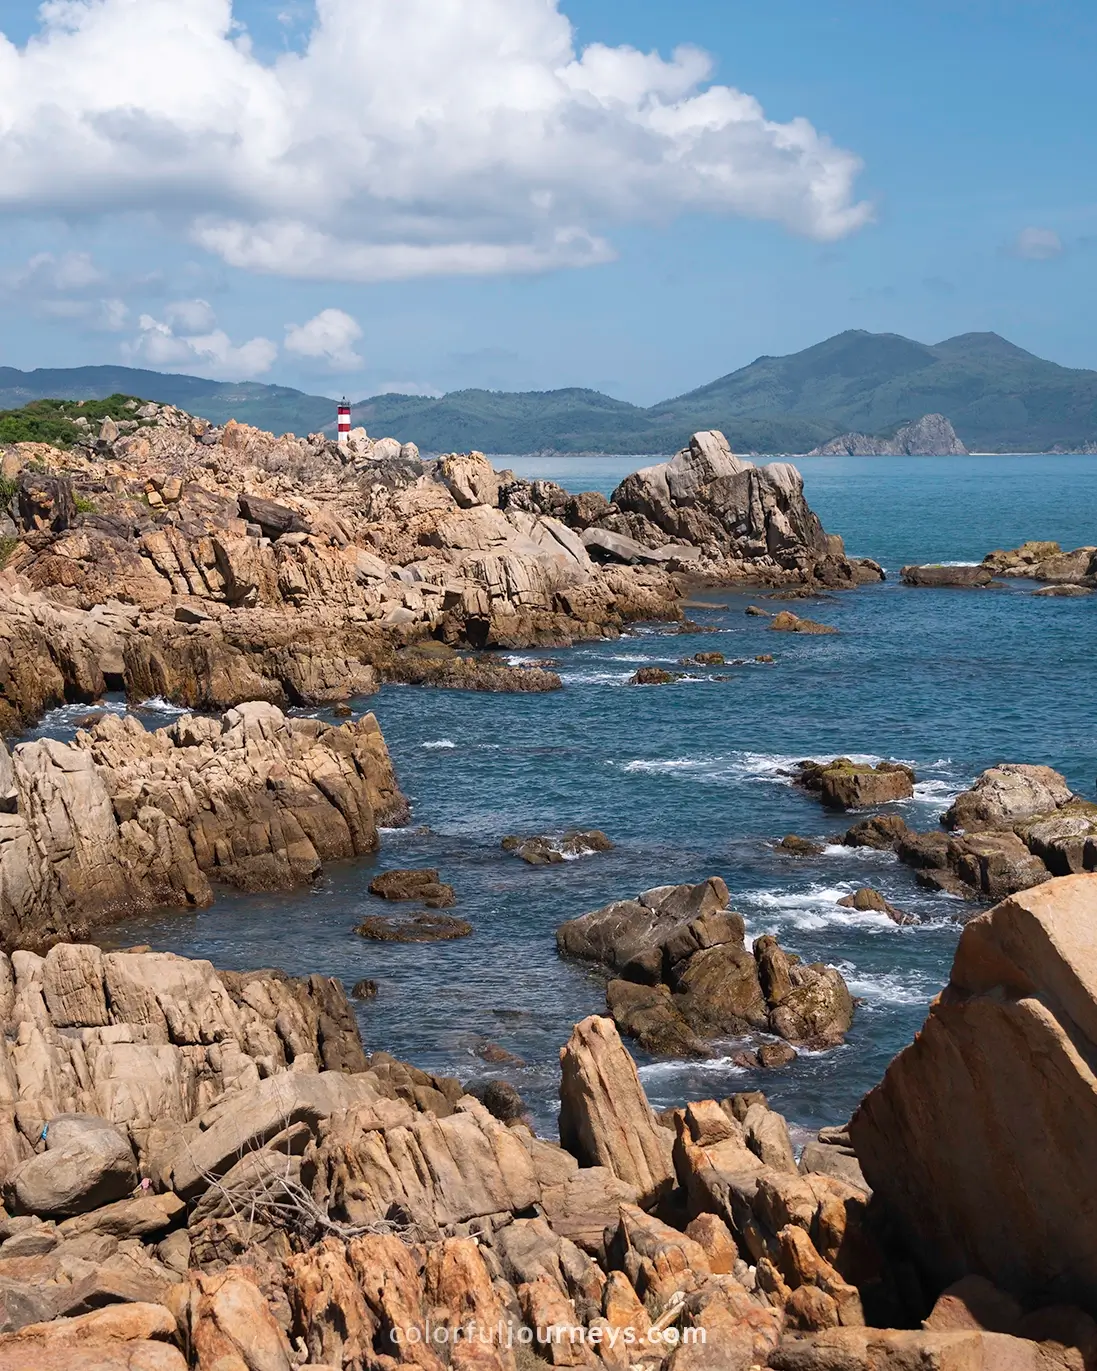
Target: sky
{"type": "Point", "coordinates": [356, 196]}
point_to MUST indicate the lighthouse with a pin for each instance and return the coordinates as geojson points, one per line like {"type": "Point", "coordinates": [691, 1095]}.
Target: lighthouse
{"type": "Point", "coordinates": [344, 421]}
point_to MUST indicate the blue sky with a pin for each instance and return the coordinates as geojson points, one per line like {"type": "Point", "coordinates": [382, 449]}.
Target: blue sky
{"type": "Point", "coordinates": [448, 211]}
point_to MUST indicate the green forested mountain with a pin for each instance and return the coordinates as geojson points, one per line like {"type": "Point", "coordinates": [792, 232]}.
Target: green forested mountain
{"type": "Point", "coordinates": [999, 398]}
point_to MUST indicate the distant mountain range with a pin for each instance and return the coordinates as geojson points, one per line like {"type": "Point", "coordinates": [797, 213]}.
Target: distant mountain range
{"type": "Point", "coordinates": [999, 398]}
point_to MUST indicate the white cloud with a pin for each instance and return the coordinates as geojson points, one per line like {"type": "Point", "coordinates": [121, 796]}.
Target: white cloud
{"type": "Point", "coordinates": [1038, 244]}
{"type": "Point", "coordinates": [191, 316]}
{"type": "Point", "coordinates": [211, 353]}
{"type": "Point", "coordinates": [329, 337]}
{"type": "Point", "coordinates": [67, 287]}
{"type": "Point", "coordinates": [408, 138]}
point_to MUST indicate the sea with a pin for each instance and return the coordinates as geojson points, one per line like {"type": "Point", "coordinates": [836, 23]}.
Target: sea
{"type": "Point", "coordinates": [692, 780]}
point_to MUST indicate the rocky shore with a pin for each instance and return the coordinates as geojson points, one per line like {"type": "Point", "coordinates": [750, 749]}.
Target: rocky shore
{"type": "Point", "coordinates": [214, 566]}
{"type": "Point", "coordinates": [206, 1170]}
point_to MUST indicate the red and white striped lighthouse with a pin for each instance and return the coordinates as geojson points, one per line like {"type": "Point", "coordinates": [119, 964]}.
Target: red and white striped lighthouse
{"type": "Point", "coordinates": [344, 420]}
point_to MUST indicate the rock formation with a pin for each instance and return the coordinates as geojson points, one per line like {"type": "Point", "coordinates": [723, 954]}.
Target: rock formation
{"type": "Point", "coordinates": [123, 820]}
{"type": "Point", "coordinates": [845, 784]}
{"type": "Point", "coordinates": [681, 973]}
{"type": "Point", "coordinates": [219, 565]}
{"type": "Point", "coordinates": [204, 1171]}
{"type": "Point", "coordinates": [1045, 561]}
{"type": "Point", "coordinates": [1015, 828]}
{"type": "Point", "coordinates": [952, 577]}
{"type": "Point", "coordinates": [978, 1141]}
{"type": "Point", "coordinates": [930, 436]}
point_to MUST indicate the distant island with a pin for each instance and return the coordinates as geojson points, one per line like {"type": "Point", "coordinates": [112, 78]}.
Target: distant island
{"type": "Point", "coordinates": [855, 392]}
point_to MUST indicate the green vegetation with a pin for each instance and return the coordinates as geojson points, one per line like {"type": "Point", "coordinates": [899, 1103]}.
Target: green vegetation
{"type": "Point", "coordinates": [54, 421]}
{"type": "Point", "coordinates": [85, 505]}
{"type": "Point", "coordinates": [7, 547]}
{"type": "Point", "coordinates": [8, 488]}
{"type": "Point", "coordinates": [999, 398]}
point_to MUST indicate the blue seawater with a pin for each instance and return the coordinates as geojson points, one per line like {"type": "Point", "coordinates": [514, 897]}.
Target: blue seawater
{"type": "Point", "coordinates": [689, 780]}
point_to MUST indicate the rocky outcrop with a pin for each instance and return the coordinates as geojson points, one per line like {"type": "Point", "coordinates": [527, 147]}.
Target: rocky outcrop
{"type": "Point", "coordinates": [930, 436]}
{"type": "Point", "coordinates": [217, 565]}
{"type": "Point", "coordinates": [1016, 827]}
{"type": "Point", "coordinates": [681, 973]}
{"type": "Point", "coordinates": [1045, 561]}
{"type": "Point", "coordinates": [737, 515]}
{"type": "Point", "coordinates": [845, 784]}
{"type": "Point", "coordinates": [962, 577]}
{"type": "Point", "coordinates": [302, 1204]}
{"type": "Point", "coordinates": [548, 850]}
{"type": "Point", "coordinates": [124, 820]}
{"type": "Point", "coordinates": [977, 1140]}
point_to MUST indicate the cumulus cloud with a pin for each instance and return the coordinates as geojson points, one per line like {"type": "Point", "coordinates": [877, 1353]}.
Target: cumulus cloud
{"type": "Point", "coordinates": [1038, 244]}
{"type": "Point", "coordinates": [210, 353]}
{"type": "Point", "coordinates": [407, 138]}
{"type": "Point", "coordinates": [328, 338]}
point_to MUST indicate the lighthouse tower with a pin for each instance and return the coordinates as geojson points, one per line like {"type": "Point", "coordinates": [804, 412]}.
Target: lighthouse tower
{"type": "Point", "coordinates": [344, 421]}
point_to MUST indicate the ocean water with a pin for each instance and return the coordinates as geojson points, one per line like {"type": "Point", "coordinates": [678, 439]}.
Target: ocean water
{"type": "Point", "coordinates": [689, 780]}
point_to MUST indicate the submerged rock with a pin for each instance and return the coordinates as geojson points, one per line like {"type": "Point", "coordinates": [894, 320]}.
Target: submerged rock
{"type": "Point", "coordinates": [413, 928]}
{"type": "Point", "coordinates": [795, 846]}
{"type": "Point", "coordinates": [654, 675]}
{"type": "Point", "coordinates": [787, 622]}
{"type": "Point", "coordinates": [417, 883]}
{"type": "Point", "coordinates": [543, 850]}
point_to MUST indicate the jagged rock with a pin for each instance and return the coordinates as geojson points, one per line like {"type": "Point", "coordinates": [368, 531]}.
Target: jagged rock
{"type": "Point", "coordinates": [123, 820]}
{"type": "Point", "coordinates": [876, 1349]}
{"type": "Point", "coordinates": [273, 518]}
{"type": "Point", "coordinates": [654, 675]}
{"type": "Point", "coordinates": [1005, 1049]}
{"type": "Point", "coordinates": [127, 1337]}
{"type": "Point", "coordinates": [1046, 561]}
{"type": "Point", "coordinates": [605, 1118]}
{"type": "Point", "coordinates": [686, 975]}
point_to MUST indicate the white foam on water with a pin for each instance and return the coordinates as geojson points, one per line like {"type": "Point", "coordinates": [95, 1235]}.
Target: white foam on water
{"type": "Point", "coordinates": [813, 909]}
{"type": "Point", "coordinates": [888, 987]}
{"type": "Point", "coordinates": [595, 677]}
{"type": "Point", "coordinates": [654, 1070]}
{"type": "Point", "coordinates": [880, 856]}
{"type": "Point", "coordinates": [158, 705]}
{"type": "Point", "coordinates": [438, 744]}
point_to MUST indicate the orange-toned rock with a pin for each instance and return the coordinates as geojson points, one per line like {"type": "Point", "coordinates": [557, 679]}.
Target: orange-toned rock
{"type": "Point", "coordinates": [979, 1140]}
{"type": "Point", "coordinates": [605, 1118]}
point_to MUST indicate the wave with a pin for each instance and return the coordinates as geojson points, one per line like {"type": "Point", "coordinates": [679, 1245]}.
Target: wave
{"type": "Point", "coordinates": [812, 909]}
{"type": "Point", "coordinates": [654, 1070]}
{"type": "Point", "coordinates": [158, 705]}
{"type": "Point", "coordinates": [438, 744]}
{"type": "Point", "coordinates": [889, 987]}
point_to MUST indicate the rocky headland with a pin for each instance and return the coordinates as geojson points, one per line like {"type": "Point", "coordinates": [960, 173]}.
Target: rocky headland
{"type": "Point", "coordinates": [930, 436]}
{"type": "Point", "coordinates": [207, 1170]}
{"type": "Point", "coordinates": [214, 566]}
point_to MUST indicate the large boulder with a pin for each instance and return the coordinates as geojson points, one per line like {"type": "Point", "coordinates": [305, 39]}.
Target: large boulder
{"type": "Point", "coordinates": [845, 784]}
{"type": "Point", "coordinates": [1005, 795]}
{"type": "Point", "coordinates": [87, 1163]}
{"type": "Point", "coordinates": [978, 1142]}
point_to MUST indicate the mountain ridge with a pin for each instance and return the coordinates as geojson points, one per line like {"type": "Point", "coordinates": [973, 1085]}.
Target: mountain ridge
{"type": "Point", "coordinates": [998, 396]}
